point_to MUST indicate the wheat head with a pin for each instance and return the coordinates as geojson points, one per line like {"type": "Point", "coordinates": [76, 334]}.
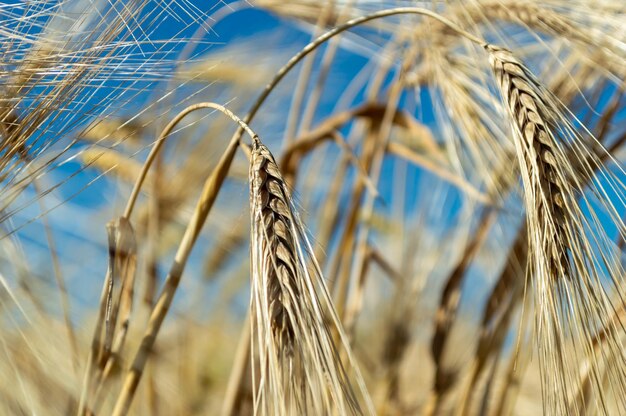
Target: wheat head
{"type": "Point", "coordinates": [301, 370]}
{"type": "Point", "coordinates": [569, 257]}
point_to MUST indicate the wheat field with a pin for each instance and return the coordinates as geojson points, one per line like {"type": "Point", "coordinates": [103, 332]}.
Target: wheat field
{"type": "Point", "coordinates": [344, 207]}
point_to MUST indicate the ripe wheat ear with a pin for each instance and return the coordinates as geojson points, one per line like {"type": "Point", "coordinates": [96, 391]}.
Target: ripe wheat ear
{"type": "Point", "coordinates": [301, 370]}
{"type": "Point", "coordinates": [570, 255]}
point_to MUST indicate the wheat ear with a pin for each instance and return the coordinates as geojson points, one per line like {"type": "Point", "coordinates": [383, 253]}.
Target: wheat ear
{"type": "Point", "coordinates": [569, 252]}
{"type": "Point", "coordinates": [301, 371]}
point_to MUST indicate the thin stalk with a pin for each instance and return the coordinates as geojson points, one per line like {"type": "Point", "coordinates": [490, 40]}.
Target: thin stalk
{"type": "Point", "coordinates": [339, 29]}
{"type": "Point", "coordinates": [164, 135]}
{"type": "Point", "coordinates": [238, 372]}
{"type": "Point", "coordinates": [205, 203]}
{"type": "Point", "coordinates": [304, 77]}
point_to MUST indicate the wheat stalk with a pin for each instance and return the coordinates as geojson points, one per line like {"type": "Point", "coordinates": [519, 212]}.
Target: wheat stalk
{"type": "Point", "coordinates": [210, 191]}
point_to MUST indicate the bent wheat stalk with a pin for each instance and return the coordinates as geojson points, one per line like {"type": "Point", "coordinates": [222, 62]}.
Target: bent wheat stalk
{"type": "Point", "coordinates": [301, 371]}
{"type": "Point", "coordinates": [320, 40]}
{"type": "Point", "coordinates": [210, 191]}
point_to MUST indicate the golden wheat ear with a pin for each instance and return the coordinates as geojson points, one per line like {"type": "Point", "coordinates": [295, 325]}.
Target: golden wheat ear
{"type": "Point", "coordinates": [570, 255]}
{"type": "Point", "coordinates": [301, 369]}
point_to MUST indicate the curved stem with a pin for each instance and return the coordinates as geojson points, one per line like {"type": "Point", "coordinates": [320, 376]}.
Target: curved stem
{"type": "Point", "coordinates": [164, 134]}
{"type": "Point", "coordinates": [210, 191]}
{"type": "Point", "coordinates": [282, 72]}
{"type": "Point", "coordinates": [339, 29]}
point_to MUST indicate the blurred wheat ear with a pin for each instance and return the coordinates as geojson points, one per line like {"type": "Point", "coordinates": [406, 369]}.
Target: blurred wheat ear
{"type": "Point", "coordinates": [301, 369]}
